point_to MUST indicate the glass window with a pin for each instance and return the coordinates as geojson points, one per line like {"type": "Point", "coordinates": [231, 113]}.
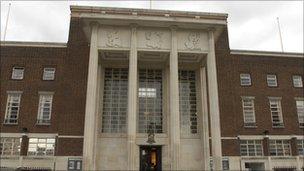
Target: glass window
{"type": "Point", "coordinates": [187, 102]}
{"type": "Point", "coordinates": [150, 100]}
{"type": "Point", "coordinates": [225, 163]}
{"type": "Point", "coordinates": [248, 111]}
{"type": "Point", "coordinates": [10, 146]}
{"type": "Point", "coordinates": [276, 112]}
{"type": "Point", "coordinates": [300, 111]}
{"type": "Point", "coordinates": [251, 148]}
{"type": "Point", "coordinates": [272, 80]}
{"type": "Point", "coordinates": [115, 100]}
{"type": "Point", "coordinates": [297, 81]}
{"type": "Point", "coordinates": [279, 148]}
{"type": "Point", "coordinates": [245, 79]}
{"type": "Point", "coordinates": [74, 164]}
{"type": "Point", "coordinates": [18, 73]}
{"type": "Point", "coordinates": [41, 146]}
{"type": "Point", "coordinates": [45, 108]}
{"type": "Point", "coordinates": [48, 73]}
{"type": "Point", "coordinates": [12, 108]}
{"type": "Point", "coordinates": [300, 144]}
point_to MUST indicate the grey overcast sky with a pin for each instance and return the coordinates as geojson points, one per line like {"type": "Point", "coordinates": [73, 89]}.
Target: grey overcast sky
{"type": "Point", "coordinates": [252, 24]}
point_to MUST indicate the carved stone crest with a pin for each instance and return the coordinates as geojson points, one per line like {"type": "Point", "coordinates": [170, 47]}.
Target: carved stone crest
{"type": "Point", "coordinates": [153, 39]}
{"type": "Point", "coordinates": [192, 42]}
{"type": "Point", "coordinates": [113, 38]}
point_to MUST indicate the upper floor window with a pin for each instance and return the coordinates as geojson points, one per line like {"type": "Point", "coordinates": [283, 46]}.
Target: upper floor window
{"type": "Point", "coordinates": [12, 107]}
{"type": "Point", "coordinates": [48, 73]}
{"type": "Point", "coordinates": [187, 102]}
{"type": "Point", "coordinates": [18, 73]}
{"type": "Point", "coordinates": [300, 111]}
{"type": "Point", "coordinates": [115, 100]}
{"type": "Point", "coordinates": [300, 144]}
{"type": "Point", "coordinates": [251, 148]}
{"type": "Point", "coordinates": [297, 81]}
{"type": "Point", "coordinates": [45, 108]}
{"type": "Point", "coordinates": [245, 79]}
{"type": "Point", "coordinates": [279, 147]}
{"type": "Point", "coordinates": [276, 112]}
{"type": "Point", "coordinates": [41, 146]}
{"type": "Point", "coordinates": [272, 80]}
{"type": "Point", "coordinates": [248, 111]}
{"type": "Point", "coordinates": [10, 146]}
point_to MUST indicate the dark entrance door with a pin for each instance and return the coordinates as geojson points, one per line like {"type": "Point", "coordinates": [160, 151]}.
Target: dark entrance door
{"type": "Point", "coordinates": [150, 158]}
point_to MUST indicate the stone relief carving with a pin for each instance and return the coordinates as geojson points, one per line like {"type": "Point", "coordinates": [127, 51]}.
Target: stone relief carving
{"type": "Point", "coordinates": [192, 42]}
{"type": "Point", "coordinates": [153, 39]}
{"type": "Point", "coordinates": [113, 38]}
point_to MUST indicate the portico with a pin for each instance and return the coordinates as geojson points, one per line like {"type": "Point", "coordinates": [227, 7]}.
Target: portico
{"type": "Point", "coordinates": [159, 67]}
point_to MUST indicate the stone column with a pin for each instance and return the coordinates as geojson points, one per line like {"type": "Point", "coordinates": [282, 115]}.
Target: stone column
{"type": "Point", "coordinates": [214, 106]}
{"type": "Point", "coordinates": [132, 99]}
{"type": "Point", "coordinates": [91, 103]}
{"type": "Point", "coordinates": [174, 103]}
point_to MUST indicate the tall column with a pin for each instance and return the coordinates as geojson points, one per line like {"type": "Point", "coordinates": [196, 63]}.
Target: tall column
{"type": "Point", "coordinates": [174, 103]}
{"type": "Point", "coordinates": [132, 99]}
{"type": "Point", "coordinates": [214, 106]}
{"type": "Point", "coordinates": [91, 103]}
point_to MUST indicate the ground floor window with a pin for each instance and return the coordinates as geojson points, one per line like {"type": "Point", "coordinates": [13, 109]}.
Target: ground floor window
{"type": "Point", "coordinates": [279, 148]}
{"type": "Point", "coordinates": [300, 144]}
{"type": "Point", "coordinates": [10, 146]}
{"type": "Point", "coordinates": [251, 148]}
{"type": "Point", "coordinates": [41, 146]}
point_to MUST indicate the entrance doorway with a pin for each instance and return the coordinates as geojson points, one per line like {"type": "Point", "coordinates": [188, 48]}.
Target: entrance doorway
{"type": "Point", "coordinates": [150, 158]}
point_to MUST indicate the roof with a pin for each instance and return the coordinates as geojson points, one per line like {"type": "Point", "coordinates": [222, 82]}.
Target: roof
{"type": "Point", "coordinates": [266, 53]}
{"type": "Point", "coordinates": [33, 44]}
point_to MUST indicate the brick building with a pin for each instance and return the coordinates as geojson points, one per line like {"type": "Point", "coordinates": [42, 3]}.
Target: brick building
{"type": "Point", "coordinates": [136, 88]}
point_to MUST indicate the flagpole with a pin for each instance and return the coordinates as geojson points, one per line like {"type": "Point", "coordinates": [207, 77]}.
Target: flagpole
{"type": "Point", "coordinates": [280, 34]}
{"type": "Point", "coordinates": [6, 23]}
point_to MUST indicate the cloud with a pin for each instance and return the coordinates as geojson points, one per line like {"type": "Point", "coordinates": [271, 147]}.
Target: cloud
{"type": "Point", "coordinates": [252, 24]}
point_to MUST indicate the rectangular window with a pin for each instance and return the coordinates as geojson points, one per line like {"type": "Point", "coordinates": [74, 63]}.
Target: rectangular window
{"type": "Point", "coordinates": [41, 146]}
{"type": "Point", "coordinates": [48, 73]}
{"type": "Point", "coordinates": [272, 80]}
{"type": "Point", "coordinates": [10, 146]}
{"type": "Point", "coordinates": [248, 111]}
{"type": "Point", "coordinates": [187, 102]}
{"type": "Point", "coordinates": [245, 79]}
{"type": "Point", "coordinates": [297, 81]}
{"type": "Point", "coordinates": [74, 164]}
{"type": "Point", "coordinates": [150, 101]}
{"type": "Point", "coordinates": [300, 111]}
{"type": "Point", "coordinates": [279, 148]}
{"type": "Point", "coordinates": [251, 148]}
{"type": "Point", "coordinates": [225, 163]}
{"type": "Point", "coordinates": [18, 73]}
{"type": "Point", "coordinates": [300, 144]}
{"type": "Point", "coordinates": [115, 100]}
{"type": "Point", "coordinates": [12, 108]}
{"type": "Point", "coordinates": [45, 108]}
{"type": "Point", "coordinates": [276, 112]}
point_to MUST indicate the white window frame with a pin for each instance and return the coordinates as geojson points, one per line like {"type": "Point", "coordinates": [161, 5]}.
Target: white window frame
{"type": "Point", "coordinates": [12, 141]}
{"type": "Point", "coordinates": [300, 147]}
{"type": "Point", "coordinates": [247, 111]}
{"type": "Point", "coordinates": [9, 106]}
{"type": "Point", "coordinates": [300, 111]}
{"type": "Point", "coordinates": [41, 144]}
{"type": "Point", "coordinates": [276, 101]}
{"type": "Point", "coordinates": [285, 146]}
{"type": "Point", "coordinates": [297, 81]}
{"type": "Point", "coordinates": [43, 96]}
{"type": "Point", "coordinates": [18, 73]}
{"type": "Point", "coordinates": [245, 79]}
{"type": "Point", "coordinates": [49, 73]}
{"type": "Point", "coordinates": [246, 146]}
{"type": "Point", "coordinates": [272, 80]}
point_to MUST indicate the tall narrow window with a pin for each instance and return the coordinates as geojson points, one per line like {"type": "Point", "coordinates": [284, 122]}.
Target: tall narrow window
{"type": "Point", "coordinates": [251, 148]}
{"type": "Point", "coordinates": [245, 79]}
{"type": "Point", "coordinates": [10, 146]}
{"type": "Point", "coordinates": [187, 102]}
{"type": "Point", "coordinates": [45, 108]}
{"type": "Point", "coordinates": [276, 112]}
{"type": "Point", "coordinates": [48, 74]}
{"type": "Point", "coordinates": [18, 73]}
{"type": "Point", "coordinates": [272, 80]}
{"type": "Point", "coordinates": [300, 145]}
{"type": "Point", "coordinates": [279, 148]}
{"type": "Point", "coordinates": [297, 81]}
{"type": "Point", "coordinates": [41, 147]}
{"type": "Point", "coordinates": [300, 111]}
{"type": "Point", "coordinates": [115, 99]}
{"type": "Point", "coordinates": [248, 111]}
{"type": "Point", "coordinates": [12, 108]}
{"type": "Point", "coordinates": [150, 101]}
